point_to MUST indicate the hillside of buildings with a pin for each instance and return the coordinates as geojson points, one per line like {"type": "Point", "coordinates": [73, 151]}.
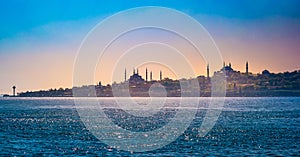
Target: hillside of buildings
{"type": "Point", "coordinates": [238, 84]}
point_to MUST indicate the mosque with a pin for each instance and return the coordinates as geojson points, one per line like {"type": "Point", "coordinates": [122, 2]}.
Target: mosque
{"type": "Point", "coordinates": [228, 69]}
{"type": "Point", "coordinates": [136, 78]}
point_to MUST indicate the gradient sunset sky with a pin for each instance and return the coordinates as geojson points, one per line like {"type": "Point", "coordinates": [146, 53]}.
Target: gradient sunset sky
{"type": "Point", "coordinates": [39, 39]}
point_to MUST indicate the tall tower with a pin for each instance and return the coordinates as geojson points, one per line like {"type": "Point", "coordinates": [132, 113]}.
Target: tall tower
{"type": "Point", "coordinates": [146, 75]}
{"type": "Point", "coordinates": [133, 71]}
{"type": "Point", "coordinates": [160, 75]}
{"type": "Point", "coordinates": [137, 71]}
{"type": "Point", "coordinates": [150, 75]}
{"type": "Point", "coordinates": [247, 70]}
{"type": "Point", "coordinates": [207, 71]}
{"type": "Point", "coordinates": [229, 64]}
{"type": "Point", "coordinates": [125, 75]}
{"type": "Point", "coordinates": [223, 64]}
{"type": "Point", "coordinates": [14, 90]}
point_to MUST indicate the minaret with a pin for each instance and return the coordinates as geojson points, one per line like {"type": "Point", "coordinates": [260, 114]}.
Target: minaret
{"type": "Point", "coordinates": [133, 71]}
{"type": "Point", "coordinates": [125, 75]}
{"type": "Point", "coordinates": [229, 64]}
{"type": "Point", "coordinates": [137, 71]}
{"type": "Point", "coordinates": [207, 71]}
{"type": "Point", "coordinates": [14, 90]}
{"type": "Point", "coordinates": [146, 75]}
{"type": "Point", "coordinates": [150, 75]}
{"type": "Point", "coordinates": [160, 75]}
{"type": "Point", "coordinates": [247, 70]}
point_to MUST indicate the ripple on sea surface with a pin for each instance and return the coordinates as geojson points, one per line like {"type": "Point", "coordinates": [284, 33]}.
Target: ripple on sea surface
{"type": "Point", "coordinates": [247, 126]}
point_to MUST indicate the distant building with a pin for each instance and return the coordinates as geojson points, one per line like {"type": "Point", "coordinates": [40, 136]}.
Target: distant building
{"type": "Point", "coordinates": [160, 76]}
{"type": "Point", "coordinates": [146, 75]}
{"type": "Point", "coordinates": [247, 68]}
{"type": "Point", "coordinates": [14, 90]}
{"type": "Point", "coordinates": [207, 70]}
{"type": "Point", "coordinates": [265, 72]}
{"type": "Point", "coordinates": [136, 78]}
{"type": "Point", "coordinates": [125, 78]}
{"type": "Point", "coordinates": [227, 68]}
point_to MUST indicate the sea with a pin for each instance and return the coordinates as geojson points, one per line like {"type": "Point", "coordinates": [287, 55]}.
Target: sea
{"type": "Point", "coordinates": [252, 126]}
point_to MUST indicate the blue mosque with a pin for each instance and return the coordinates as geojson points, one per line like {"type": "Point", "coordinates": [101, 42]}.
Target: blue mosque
{"type": "Point", "coordinates": [136, 78]}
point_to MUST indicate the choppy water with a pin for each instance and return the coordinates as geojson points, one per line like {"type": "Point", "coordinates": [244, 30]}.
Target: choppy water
{"type": "Point", "coordinates": [246, 126]}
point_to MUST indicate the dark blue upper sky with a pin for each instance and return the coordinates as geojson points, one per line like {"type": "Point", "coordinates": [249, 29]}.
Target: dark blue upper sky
{"type": "Point", "coordinates": [19, 16]}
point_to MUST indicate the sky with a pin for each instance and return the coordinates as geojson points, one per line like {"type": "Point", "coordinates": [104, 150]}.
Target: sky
{"type": "Point", "coordinates": [39, 40]}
